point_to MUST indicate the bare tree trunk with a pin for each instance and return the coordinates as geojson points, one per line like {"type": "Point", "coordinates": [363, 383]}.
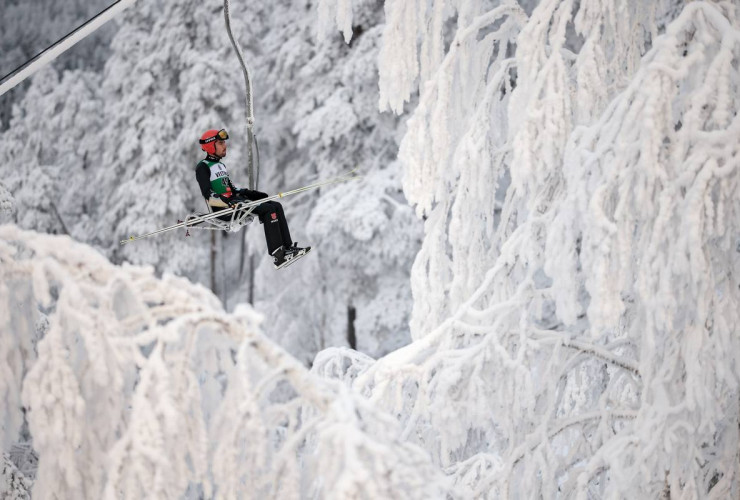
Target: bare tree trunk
{"type": "Point", "coordinates": [213, 262]}
{"type": "Point", "coordinates": [251, 279]}
{"type": "Point", "coordinates": [244, 256]}
{"type": "Point", "coordinates": [351, 335]}
{"type": "Point", "coordinates": [242, 253]}
{"type": "Point", "coordinates": [59, 217]}
{"type": "Point", "coordinates": [321, 330]}
{"type": "Point", "coordinates": [666, 495]}
{"type": "Point", "coordinates": [224, 281]}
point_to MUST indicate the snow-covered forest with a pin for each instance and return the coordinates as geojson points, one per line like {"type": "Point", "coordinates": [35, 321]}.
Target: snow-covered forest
{"type": "Point", "coordinates": [533, 291]}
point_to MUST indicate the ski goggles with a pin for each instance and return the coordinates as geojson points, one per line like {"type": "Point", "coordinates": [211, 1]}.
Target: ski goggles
{"type": "Point", "coordinates": [222, 135]}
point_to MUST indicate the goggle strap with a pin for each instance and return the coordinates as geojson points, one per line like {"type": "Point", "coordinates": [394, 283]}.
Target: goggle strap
{"type": "Point", "coordinates": [222, 134]}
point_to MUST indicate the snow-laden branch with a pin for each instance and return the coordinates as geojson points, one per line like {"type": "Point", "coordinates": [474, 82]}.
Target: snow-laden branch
{"type": "Point", "coordinates": [594, 188]}
{"type": "Point", "coordinates": [146, 387]}
{"type": "Point", "coordinates": [335, 13]}
{"type": "Point", "coordinates": [13, 484]}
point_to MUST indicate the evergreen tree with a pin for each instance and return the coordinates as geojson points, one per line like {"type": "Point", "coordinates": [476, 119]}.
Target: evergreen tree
{"type": "Point", "coordinates": [50, 147]}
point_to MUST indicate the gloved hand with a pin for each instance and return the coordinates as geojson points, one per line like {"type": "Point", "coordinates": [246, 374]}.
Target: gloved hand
{"type": "Point", "coordinates": [251, 194]}
{"type": "Point", "coordinates": [230, 201]}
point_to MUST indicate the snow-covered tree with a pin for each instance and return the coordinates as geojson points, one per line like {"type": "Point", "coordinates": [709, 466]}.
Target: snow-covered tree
{"type": "Point", "coordinates": [147, 387]}
{"type": "Point", "coordinates": [7, 206]}
{"type": "Point", "coordinates": [51, 147]}
{"type": "Point", "coordinates": [576, 292]}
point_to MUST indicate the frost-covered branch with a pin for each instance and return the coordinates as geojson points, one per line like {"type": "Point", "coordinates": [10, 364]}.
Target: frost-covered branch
{"type": "Point", "coordinates": [151, 381]}
{"type": "Point", "coordinates": [614, 162]}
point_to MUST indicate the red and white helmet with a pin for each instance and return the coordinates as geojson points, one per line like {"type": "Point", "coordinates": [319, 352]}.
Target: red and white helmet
{"type": "Point", "coordinates": [208, 140]}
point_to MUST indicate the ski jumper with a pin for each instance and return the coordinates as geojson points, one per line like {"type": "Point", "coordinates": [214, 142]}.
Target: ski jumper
{"type": "Point", "coordinates": [219, 191]}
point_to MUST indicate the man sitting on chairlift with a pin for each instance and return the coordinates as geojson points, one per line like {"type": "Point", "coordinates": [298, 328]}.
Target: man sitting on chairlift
{"type": "Point", "coordinates": [220, 193]}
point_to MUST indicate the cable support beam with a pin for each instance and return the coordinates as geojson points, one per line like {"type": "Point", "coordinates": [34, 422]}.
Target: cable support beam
{"type": "Point", "coordinates": [49, 54]}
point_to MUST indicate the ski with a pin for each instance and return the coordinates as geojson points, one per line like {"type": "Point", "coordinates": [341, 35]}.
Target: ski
{"type": "Point", "coordinates": [292, 260]}
{"type": "Point", "coordinates": [192, 221]}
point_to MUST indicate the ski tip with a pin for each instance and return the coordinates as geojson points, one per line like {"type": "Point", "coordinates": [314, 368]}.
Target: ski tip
{"type": "Point", "coordinates": [130, 238]}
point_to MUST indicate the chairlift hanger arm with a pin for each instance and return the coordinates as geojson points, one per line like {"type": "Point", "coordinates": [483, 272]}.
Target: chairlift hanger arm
{"type": "Point", "coordinates": [249, 100]}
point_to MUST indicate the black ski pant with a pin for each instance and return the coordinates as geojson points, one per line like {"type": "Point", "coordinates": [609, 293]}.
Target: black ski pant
{"type": "Point", "coordinates": [271, 215]}
{"type": "Point", "coordinates": [276, 226]}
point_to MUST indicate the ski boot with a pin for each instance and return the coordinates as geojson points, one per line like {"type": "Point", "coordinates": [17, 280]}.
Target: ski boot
{"type": "Point", "coordinates": [283, 258]}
